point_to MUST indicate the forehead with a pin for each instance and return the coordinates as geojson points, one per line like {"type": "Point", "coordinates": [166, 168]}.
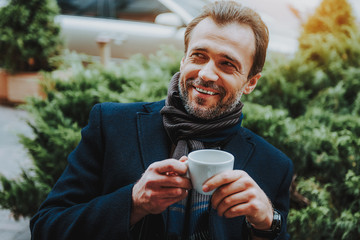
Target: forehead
{"type": "Point", "coordinates": [234, 38]}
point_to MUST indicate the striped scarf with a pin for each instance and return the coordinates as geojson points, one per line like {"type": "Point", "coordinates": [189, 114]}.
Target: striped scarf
{"type": "Point", "coordinates": [188, 219]}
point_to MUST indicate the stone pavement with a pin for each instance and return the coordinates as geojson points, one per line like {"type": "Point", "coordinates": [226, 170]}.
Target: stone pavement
{"type": "Point", "coordinates": [11, 229]}
{"type": "Point", "coordinates": [13, 157]}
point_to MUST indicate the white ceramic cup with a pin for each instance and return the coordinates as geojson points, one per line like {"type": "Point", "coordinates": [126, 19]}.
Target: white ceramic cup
{"type": "Point", "coordinates": [205, 163]}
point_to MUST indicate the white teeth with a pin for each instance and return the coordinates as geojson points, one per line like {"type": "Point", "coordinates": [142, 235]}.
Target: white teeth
{"type": "Point", "coordinates": [204, 91]}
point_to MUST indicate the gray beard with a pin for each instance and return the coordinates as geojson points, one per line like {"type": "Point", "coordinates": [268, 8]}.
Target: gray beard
{"type": "Point", "coordinates": [221, 108]}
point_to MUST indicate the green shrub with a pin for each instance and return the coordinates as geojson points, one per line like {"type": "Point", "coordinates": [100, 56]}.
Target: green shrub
{"type": "Point", "coordinates": [29, 36]}
{"type": "Point", "coordinates": [14, 192]}
{"type": "Point", "coordinates": [343, 97]}
{"type": "Point", "coordinates": [316, 221]}
{"type": "Point", "coordinates": [348, 224]}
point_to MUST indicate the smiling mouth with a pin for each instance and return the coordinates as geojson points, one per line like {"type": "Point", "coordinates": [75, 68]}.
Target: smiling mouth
{"type": "Point", "coordinates": [205, 91]}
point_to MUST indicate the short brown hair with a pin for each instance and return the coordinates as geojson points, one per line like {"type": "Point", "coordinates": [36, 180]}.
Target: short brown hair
{"type": "Point", "coordinates": [225, 12]}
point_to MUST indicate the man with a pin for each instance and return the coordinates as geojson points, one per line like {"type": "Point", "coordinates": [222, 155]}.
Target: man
{"type": "Point", "coordinates": [117, 184]}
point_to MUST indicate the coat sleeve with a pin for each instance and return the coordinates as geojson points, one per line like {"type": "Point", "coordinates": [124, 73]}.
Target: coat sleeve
{"type": "Point", "coordinates": [273, 172]}
{"type": "Point", "coordinates": [76, 208]}
{"type": "Point", "coordinates": [282, 201]}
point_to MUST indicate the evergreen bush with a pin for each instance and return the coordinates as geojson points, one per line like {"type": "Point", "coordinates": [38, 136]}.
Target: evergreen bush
{"type": "Point", "coordinates": [29, 36]}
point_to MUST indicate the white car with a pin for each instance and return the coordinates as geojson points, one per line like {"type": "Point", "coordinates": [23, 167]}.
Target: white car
{"type": "Point", "coordinates": [141, 26]}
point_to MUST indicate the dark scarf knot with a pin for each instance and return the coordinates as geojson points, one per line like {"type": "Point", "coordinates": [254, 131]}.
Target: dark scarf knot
{"type": "Point", "coordinates": [187, 131]}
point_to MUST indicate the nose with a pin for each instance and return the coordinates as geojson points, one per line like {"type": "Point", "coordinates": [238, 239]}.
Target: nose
{"type": "Point", "coordinates": [208, 72]}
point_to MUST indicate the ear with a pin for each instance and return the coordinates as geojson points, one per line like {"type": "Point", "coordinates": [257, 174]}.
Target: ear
{"type": "Point", "coordinates": [251, 84]}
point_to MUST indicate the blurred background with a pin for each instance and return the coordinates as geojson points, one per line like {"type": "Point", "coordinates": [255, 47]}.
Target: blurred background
{"type": "Point", "coordinates": [59, 58]}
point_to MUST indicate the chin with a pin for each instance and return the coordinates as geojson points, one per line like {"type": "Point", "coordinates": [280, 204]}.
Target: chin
{"type": "Point", "coordinates": [201, 111]}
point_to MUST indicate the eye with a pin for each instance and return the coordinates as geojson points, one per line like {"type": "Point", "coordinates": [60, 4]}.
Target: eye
{"type": "Point", "coordinates": [228, 66]}
{"type": "Point", "coordinates": [198, 58]}
{"type": "Point", "coordinates": [197, 55]}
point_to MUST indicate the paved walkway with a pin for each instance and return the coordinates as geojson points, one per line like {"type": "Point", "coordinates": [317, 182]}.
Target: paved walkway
{"type": "Point", "coordinates": [13, 157]}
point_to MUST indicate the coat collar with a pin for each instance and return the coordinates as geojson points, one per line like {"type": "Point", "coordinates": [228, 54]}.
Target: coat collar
{"type": "Point", "coordinates": [155, 144]}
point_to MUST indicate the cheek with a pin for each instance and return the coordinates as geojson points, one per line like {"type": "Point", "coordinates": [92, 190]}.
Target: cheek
{"type": "Point", "coordinates": [234, 87]}
{"type": "Point", "coordinates": [182, 82]}
{"type": "Point", "coordinates": [188, 74]}
{"type": "Point", "coordinates": [181, 64]}
{"type": "Point", "coordinates": [189, 68]}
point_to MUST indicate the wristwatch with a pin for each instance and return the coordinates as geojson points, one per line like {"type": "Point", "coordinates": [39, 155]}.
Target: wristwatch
{"type": "Point", "coordinates": [272, 233]}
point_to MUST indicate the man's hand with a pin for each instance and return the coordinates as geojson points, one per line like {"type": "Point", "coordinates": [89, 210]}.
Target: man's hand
{"type": "Point", "coordinates": [162, 184]}
{"type": "Point", "coordinates": [237, 195]}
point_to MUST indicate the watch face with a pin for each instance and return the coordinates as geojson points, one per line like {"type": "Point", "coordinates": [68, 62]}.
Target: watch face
{"type": "Point", "coordinates": [276, 224]}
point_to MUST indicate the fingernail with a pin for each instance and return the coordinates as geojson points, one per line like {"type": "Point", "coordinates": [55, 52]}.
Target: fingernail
{"type": "Point", "coordinates": [205, 188]}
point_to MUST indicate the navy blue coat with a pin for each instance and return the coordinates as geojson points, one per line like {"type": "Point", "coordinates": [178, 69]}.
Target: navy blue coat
{"type": "Point", "coordinates": [92, 198]}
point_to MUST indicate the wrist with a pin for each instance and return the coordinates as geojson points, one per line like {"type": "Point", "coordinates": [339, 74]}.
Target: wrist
{"type": "Point", "coordinates": [269, 233]}
{"type": "Point", "coordinates": [266, 222]}
{"type": "Point", "coordinates": [137, 211]}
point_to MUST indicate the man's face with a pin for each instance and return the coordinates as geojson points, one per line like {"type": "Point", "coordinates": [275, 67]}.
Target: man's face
{"type": "Point", "coordinates": [214, 71]}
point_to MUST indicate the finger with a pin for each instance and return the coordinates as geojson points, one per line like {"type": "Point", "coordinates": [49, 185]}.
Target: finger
{"type": "Point", "coordinates": [169, 201]}
{"type": "Point", "coordinates": [161, 200]}
{"type": "Point", "coordinates": [176, 181]}
{"type": "Point", "coordinates": [169, 165]}
{"type": "Point", "coordinates": [237, 210]}
{"type": "Point", "coordinates": [227, 190]}
{"type": "Point", "coordinates": [232, 201]}
{"type": "Point", "coordinates": [154, 181]}
{"type": "Point", "coordinates": [159, 181]}
{"type": "Point", "coordinates": [221, 179]}
{"type": "Point", "coordinates": [167, 193]}
{"type": "Point", "coordinates": [183, 159]}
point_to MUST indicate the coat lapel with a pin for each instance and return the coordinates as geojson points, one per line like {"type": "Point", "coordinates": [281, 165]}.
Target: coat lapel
{"type": "Point", "coordinates": [241, 146]}
{"type": "Point", "coordinates": [154, 142]}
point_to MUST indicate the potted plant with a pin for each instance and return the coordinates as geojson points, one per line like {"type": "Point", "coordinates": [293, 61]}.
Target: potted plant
{"type": "Point", "coordinates": [29, 37]}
